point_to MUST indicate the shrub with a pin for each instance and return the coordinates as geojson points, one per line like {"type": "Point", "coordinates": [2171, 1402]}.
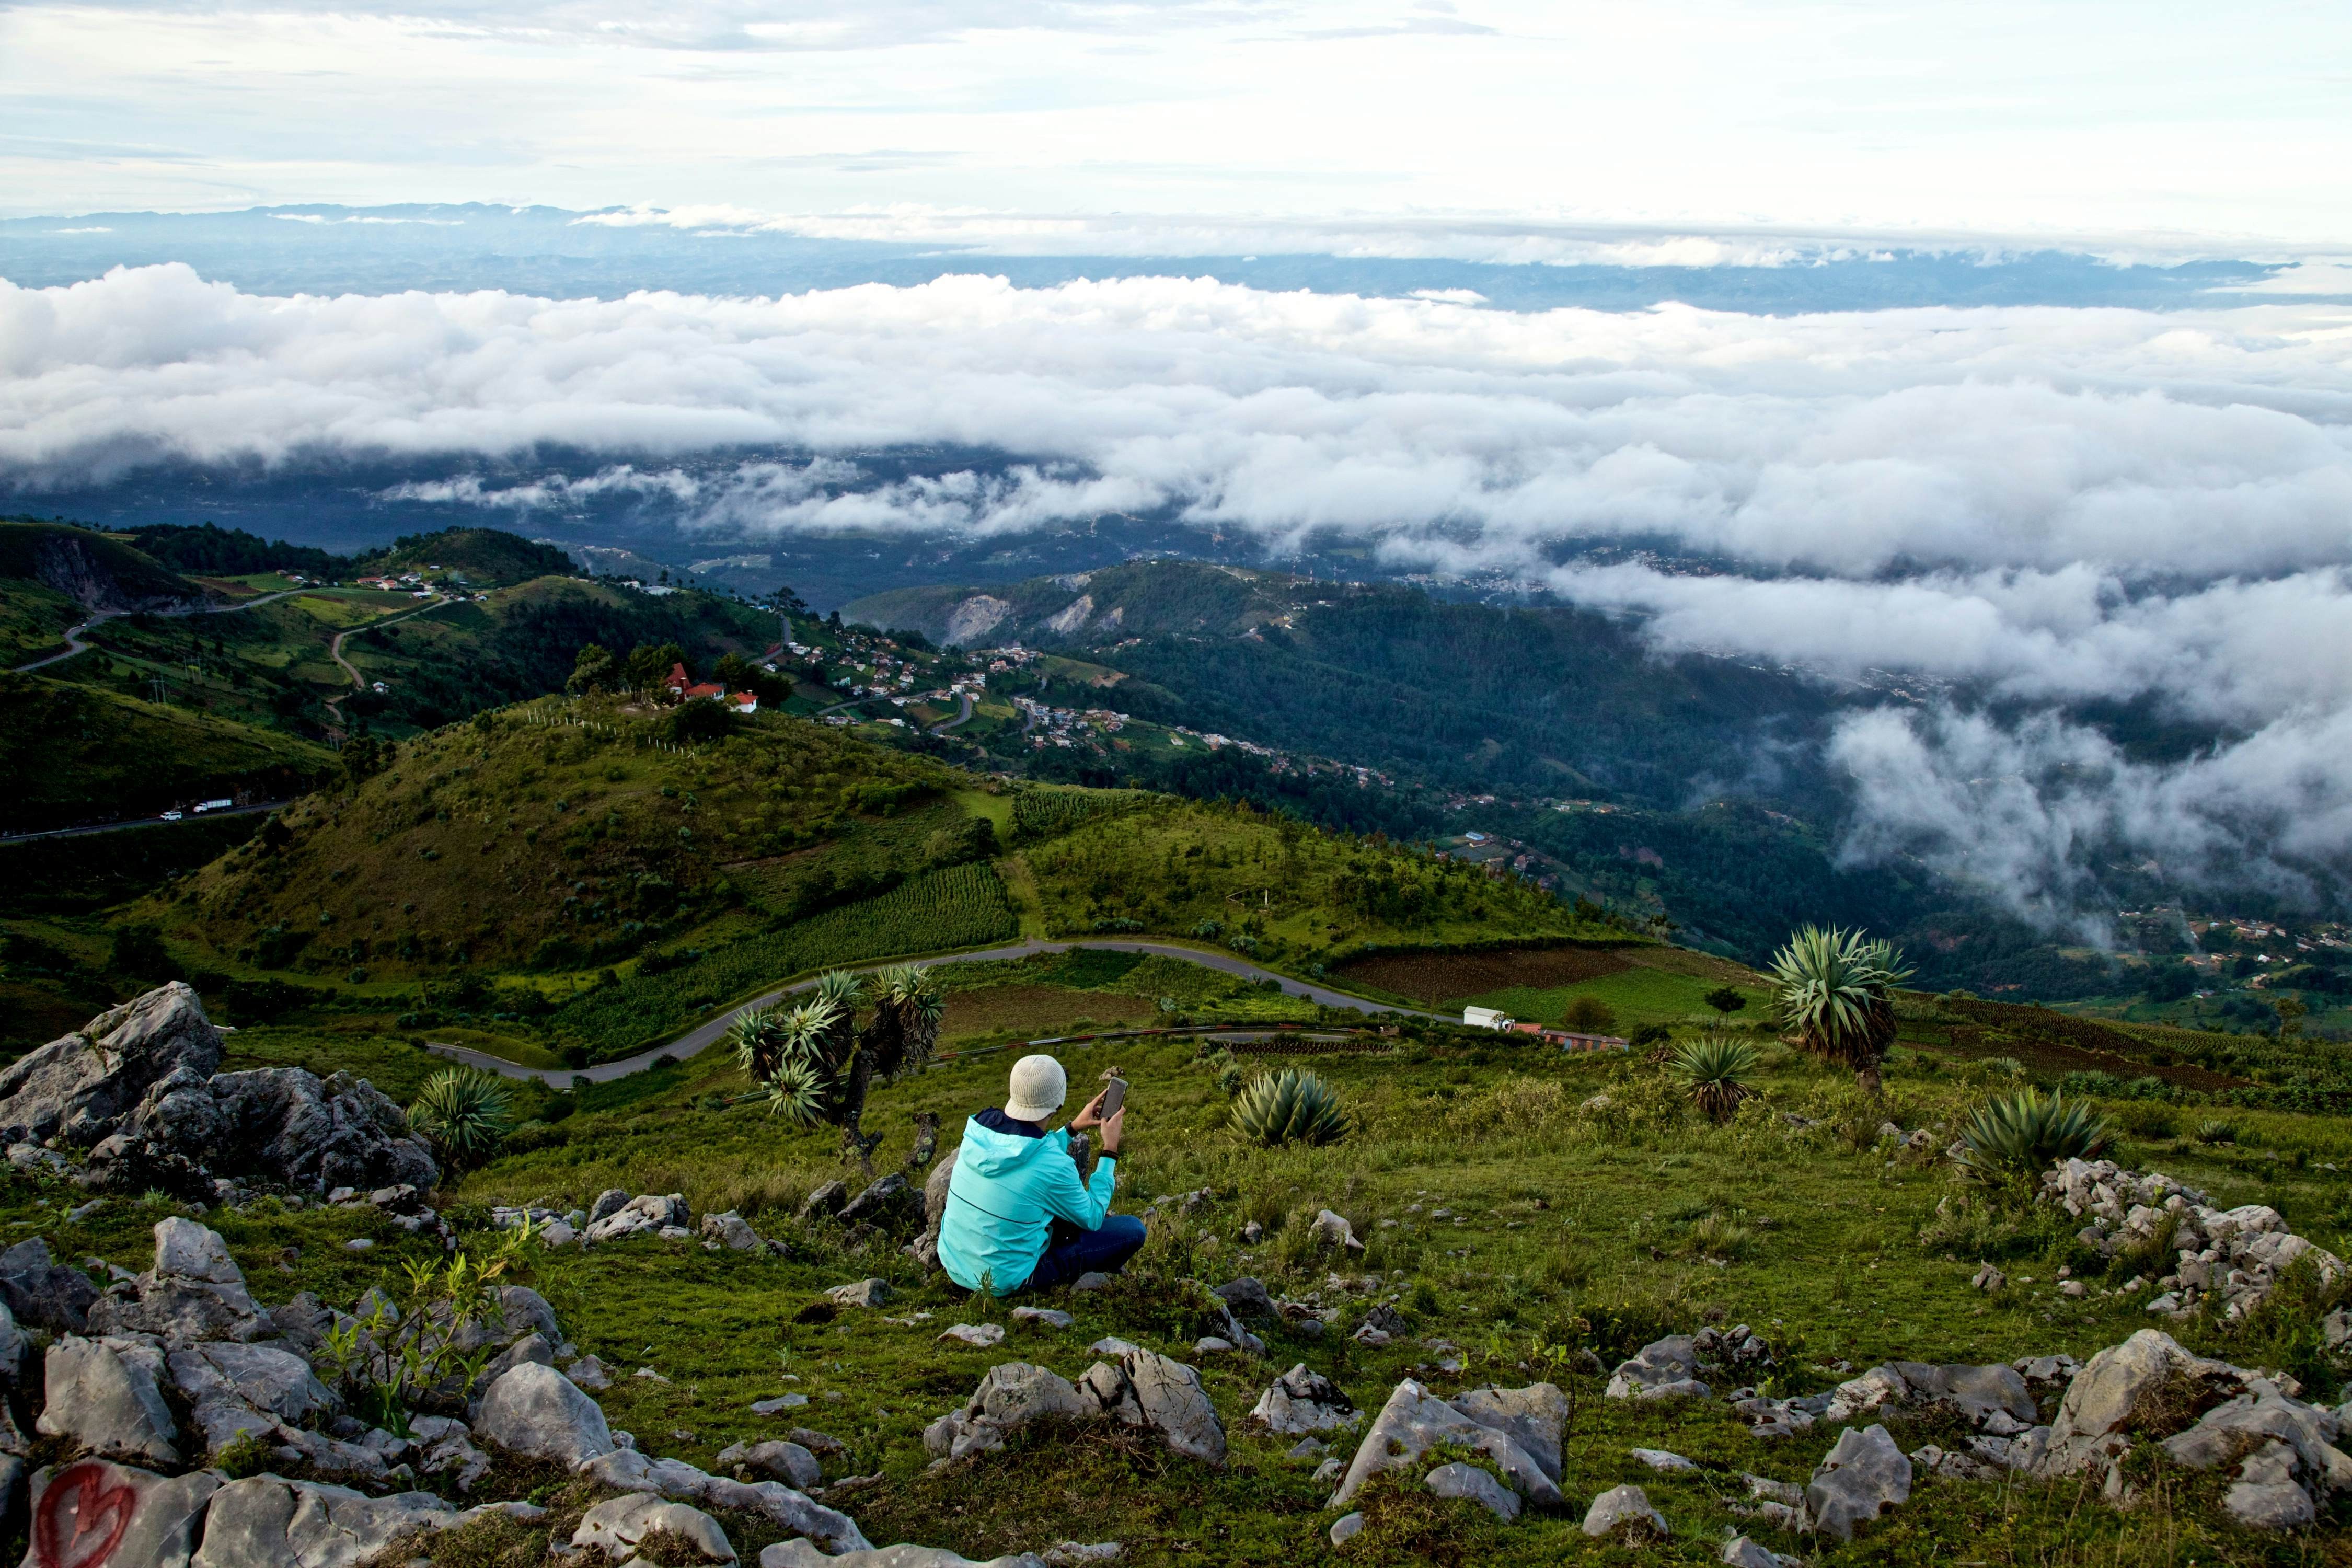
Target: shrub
{"type": "Point", "coordinates": [1715, 1071]}
{"type": "Point", "coordinates": [2216, 1132]}
{"type": "Point", "coordinates": [1717, 1234]}
{"type": "Point", "coordinates": [2023, 1135]}
{"type": "Point", "coordinates": [1289, 1106]}
{"type": "Point", "coordinates": [464, 1113]}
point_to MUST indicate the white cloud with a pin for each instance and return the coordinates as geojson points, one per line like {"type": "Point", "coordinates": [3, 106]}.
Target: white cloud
{"type": "Point", "coordinates": [2041, 506]}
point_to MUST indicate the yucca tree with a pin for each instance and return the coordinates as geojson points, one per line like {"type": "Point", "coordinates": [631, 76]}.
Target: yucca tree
{"type": "Point", "coordinates": [1834, 990]}
{"type": "Point", "coordinates": [2023, 1135]}
{"type": "Point", "coordinates": [1715, 1071]}
{"type": "Point", "coordinates": [818, 1065]}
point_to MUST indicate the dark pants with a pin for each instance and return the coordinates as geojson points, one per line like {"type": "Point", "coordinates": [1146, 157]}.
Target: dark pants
{"type": "Point", "coordinates": [1070, 1252]}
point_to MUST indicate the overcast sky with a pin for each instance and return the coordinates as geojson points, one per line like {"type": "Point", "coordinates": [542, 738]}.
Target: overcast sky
{"type": "Point", "coordinates": [2204, 124]}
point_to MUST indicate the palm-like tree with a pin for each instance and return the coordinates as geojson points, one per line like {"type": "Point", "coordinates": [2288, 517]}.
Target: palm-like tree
{"type": "Point", "coordinates": [817, 1065]}
{"type": "Point", "coordinates": [1835, 991]}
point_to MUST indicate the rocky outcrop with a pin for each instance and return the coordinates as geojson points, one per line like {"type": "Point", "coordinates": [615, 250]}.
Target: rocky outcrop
{"type": "Point", "coordinates": [774, 1459]}
{"type": "Point", "coordinates": [1300, 1402]}
{"type": "Point", "coordinates": [650, 1215]}
{"type": "Point", "coordinates": [284, 1126]}
{"type": "Point", "coordinates": [2116, 1392]}
{"type": "Point", "coordinates": [627, 1470]}
{"type": "Point", "coordinates": [161, 1517]}
{"type": "Point", "coordinates": [616, 1525]}
{"type": "Point", "coordinates": [1624, 1512]}
{"type": "Point", "coordinates": [266, 1522]}
{"type": "Point", "coordinates": [1145, 1390]}
{"type": "Point", "coordinates": [81, 1088]}
{"type": "Point", "coordinates": [1474, 1485]}
{"type": "Point", "coordinates": [195, 1291]}
{"type": "Point", "coordinates": [1862, 1477]}
{"type": "Point", "coordinates": [2237, 1254]}
{"type": "Point", "coordinates": [40, 1292]}
{"type": "Point", "coordinates": [1413, 1421]}
{"type": "Point", "coordinates": [536, 1411]}
{"type": "Point", "coordinates": [103, 1396]}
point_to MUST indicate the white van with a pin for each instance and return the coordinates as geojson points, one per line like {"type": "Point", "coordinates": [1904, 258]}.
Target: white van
{"type": "Point", "coordinates": [1485, 1018]}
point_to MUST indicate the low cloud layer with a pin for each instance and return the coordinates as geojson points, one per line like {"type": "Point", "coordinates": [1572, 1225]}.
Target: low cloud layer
{"type": "Point", "coordinates": [2047, 506]}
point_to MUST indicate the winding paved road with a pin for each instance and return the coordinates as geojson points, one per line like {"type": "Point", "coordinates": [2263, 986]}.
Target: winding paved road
{"type": "Point", "coordinates": [73, 644]}
{"type": "Point", "coordinates": [130, 822]}
{"type": "Point", "coordinates": [700, 1039]}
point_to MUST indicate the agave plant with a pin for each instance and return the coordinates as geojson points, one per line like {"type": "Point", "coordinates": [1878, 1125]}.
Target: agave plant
{"type": "Point", "coordinates": [1715, 1071]}
{"type": "Point", "coordinates": [1289, 1106]}
{"type": "Point", "coordinates": [1835, 991]}
{"type": "Point", "coordinates": [799, 1093]}
{"type": "Point", "coordinates": [817, 1065]}
{"type": "Point", "coordinates": [2217, 1131]}
{"type": "Point", "coordinates": [463, 1113]}
{"type": "Point", "coordinates": [2023, 1135]}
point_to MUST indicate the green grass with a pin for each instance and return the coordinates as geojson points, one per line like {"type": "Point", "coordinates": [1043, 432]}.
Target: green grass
{"type": "Point", "coordinates": [1638, 995]}
{"type": "Point", "coordinates": [1579, 1228]}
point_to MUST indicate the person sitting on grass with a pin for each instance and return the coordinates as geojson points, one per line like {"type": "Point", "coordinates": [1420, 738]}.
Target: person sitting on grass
{"type": "Point", "coordinates": [1018, 1216]}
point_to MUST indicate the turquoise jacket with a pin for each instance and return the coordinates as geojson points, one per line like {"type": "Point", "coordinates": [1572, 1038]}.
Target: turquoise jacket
{"type": "Point", "coordinates": [1007, 1190]}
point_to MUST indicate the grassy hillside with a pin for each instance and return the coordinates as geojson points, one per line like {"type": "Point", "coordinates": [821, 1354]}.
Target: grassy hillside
{"type": "Point", "coordinates": [1519, 1205]}
{"type": "Point", "coordinates": [567, 834]}
{"type": "Point", "coordinates": [475, 557]}
{"type": "Point", "coordinates": [88, 753]}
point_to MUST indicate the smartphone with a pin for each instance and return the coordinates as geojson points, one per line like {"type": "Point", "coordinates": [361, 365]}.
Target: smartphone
{"type": "Point", "coordinates": [1114, 1095]}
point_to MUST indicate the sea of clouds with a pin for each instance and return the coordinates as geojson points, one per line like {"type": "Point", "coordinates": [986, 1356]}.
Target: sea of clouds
{"type": "Point", "coordinates": [2030, 508]}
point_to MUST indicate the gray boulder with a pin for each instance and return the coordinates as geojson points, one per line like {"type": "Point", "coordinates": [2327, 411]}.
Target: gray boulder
{"type": "Point", "coordinates": [446, 1446]}
{"type": "Point", "coordinates": [2228, 1432]}
{"type": "Point", "coordinates": [2119, 1389]}
{"type": "Point", "coordinates": [1992, 1398]}
{"type": "Point", "coordinates": [627, 1470]}
{"type": "Point", "coordinates": [1247, 1296]}
{"type": "Point", "coordinates": [776, 1460]}
{"type": "Point", "coordinates": [38, 1291]}
{"type": "Point", "coordinates": [640, 1215]}
{"type": "Point", "coordinates": [861, 1293]}
{"type": "Point", "coordinates": [824, 1202]}
{"type": "Point", "coordinates": [804, 1554]}
{"type": "Point", "coordinates": [79, 1088]}
{"type": "Point", "coordinates": [537, 1410]}
{"type": "Point", "coordinates": [236, 1389]}
{"type": "Point", "coordinates": [1174, 1405]}
{"type": "Point", "coordinates": [1865, 1474]}
{"type": "Point", "coordinates": [1460, 1481]}
{"type": "Point", "coordinates": [1534, 1417]}
{"type": "Point", "coordinates": [2265, 1496]}
{"type": "Point", "coordinates": [1665, 1366]}
{"type": "Point", "coordinates": [195, 1291]}
{"type": "Point", "coordinates": [615, 1526]}
{"type": "Point", "coordinates": [1302, 1401]}
{"type": "Point", "coordinates": [1741, 1552]}
{"type": "Point", "coordinates": [924, 1249]}
{"type": "Point", "coordinates": [266, 1523]}
{"type": "Point", "coordinates": [108, 1402]}
{"type": "Point", "coordinates": [1624, 1511]}
{"type": "Point", "coordinates": [1413, 1421]}
{"type": "Point", "coordinates": [163, 1515]}
{"type": "Point", "coordinates": [607, 1202]}
{"type": "Point", "coordinates": [1009, 1398]}
{"type": "Point", "coordinates": [731, 1230]}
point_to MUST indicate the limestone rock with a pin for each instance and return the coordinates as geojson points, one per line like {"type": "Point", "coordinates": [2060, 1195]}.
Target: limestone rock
{"type": "Point", "coordinates": [1864, 1475]}
{"type": "Point", "coordinates": [1741, 1552]}
{"type": "Point", "coordinates": [804, 1554]}
{"type": "Point", "coordinates": [823, 1203]}
{"type": "Point", "coordinates": [862, 1293]}
{"type": "Point", "coordinates": [108, 1402]}
{"type": "Point", "coordinates": [615, 1526]}
{"type": "Point", "coordinates": [1302, 1401]}
{"type": "Point", "coordinates": [1346, 1528]}
{"type": "Point", "coordinates": [537, 1410]}
{"type": "Point", "coordinates": [980, 1336]}
{"type": "Point", "coordinates": [640, 1215]}
{"type": "Point", "coordinates": [285, 1125]}
{"type": "Point", "coordinates": [607, 1202]}
{"type": "Point", "coordinates": [1412, 1422]}
{"type": "Point", "coordinates": [1534, 1417]}
{"type": "Point", "coordinates": [924, 1249]}
{"type": "Point", "coordinates": [2108, 1394]}
{"type": "Point", "coordinates": [1662, 1459]}
{"type": "Point", "coordinates": [79, 1088]}
{"type": "Point", "coordinates": [2228, 1432]}
{"type": "Point", "coordinates": [266, 1522]}
{"type": "Point", "coordinates": [1246, 1296]}
{"type": "Point", "coordinates": [1624, 1509]}
{"type": "Point", "coordinates": [626, 1470]}
{"type": "Point", "coordinates": [2265, 1496]}
{"type": "Point", "coordinates": [1009, 1398]}
{"type": "Point", "coordinates": [776, 1459]}
{"type": "Point", "coordinates": [1041, 1317]}
{"type": "Point", "coordinates": [162, 1517]}
{"type": "Point", "coordinates": [1175, 1406]}
{"type": "Point", "coordinates": [732, 1231]}
{"type": "Point", "coordinates": [889, 1204]}
{"type": "Point", "coordinates": [1460, 1481]}
{"type": "Point", "coordinates": [1666, 1366]}
{"type": "Point", "coordinates": [37, 1291]}
{"type": "Point", "coordinates": [1335, 1230]}
{"type": "Point", "coordinates": [195, 1291]}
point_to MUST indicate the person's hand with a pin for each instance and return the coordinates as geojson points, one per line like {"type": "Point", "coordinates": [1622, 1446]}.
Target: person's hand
{"type": "Point", "coordinates": [1091, 1116]}
{"type": "Point", "coordinates": [1112, 1128]}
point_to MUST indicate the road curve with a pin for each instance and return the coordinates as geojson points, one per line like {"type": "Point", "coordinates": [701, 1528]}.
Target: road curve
{"type": "Point", "coordinates": [73, 644]}
{"type": "Point", "coordinates": [131, 822]}
{"type": "Point", "coordinates": [700, 1039]}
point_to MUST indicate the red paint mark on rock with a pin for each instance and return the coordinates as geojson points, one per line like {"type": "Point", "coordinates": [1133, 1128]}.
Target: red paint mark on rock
{"type": "Point", "coordinates": [82, 1517]}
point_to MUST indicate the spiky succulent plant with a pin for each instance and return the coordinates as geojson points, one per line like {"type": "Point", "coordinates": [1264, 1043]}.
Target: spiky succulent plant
{"type": "Point", "coordinates": [2018, 1136]}
{"type": "Point", "coordinates": [463, 1113]}
{"type": "Point", "coordinates": [1715, 1071]}
{"type": "Point", "coordinates": [1835, 991]}
{"type": "Point", "coordinates": [1289, 1106]}
{"type": "Point", "coordinates": [799, 1094]}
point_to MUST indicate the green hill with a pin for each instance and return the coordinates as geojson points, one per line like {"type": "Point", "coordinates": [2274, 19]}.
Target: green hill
{"type": "Point", "coordinates": [476, 557]}
{"type": "Point", "coordinates": [54, 576]}
{"type": "Point", "coordinates": [93, 754]}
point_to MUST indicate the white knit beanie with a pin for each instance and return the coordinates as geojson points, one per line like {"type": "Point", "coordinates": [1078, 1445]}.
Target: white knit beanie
{"type": "Point", "coordinates": [1039, 1087]}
